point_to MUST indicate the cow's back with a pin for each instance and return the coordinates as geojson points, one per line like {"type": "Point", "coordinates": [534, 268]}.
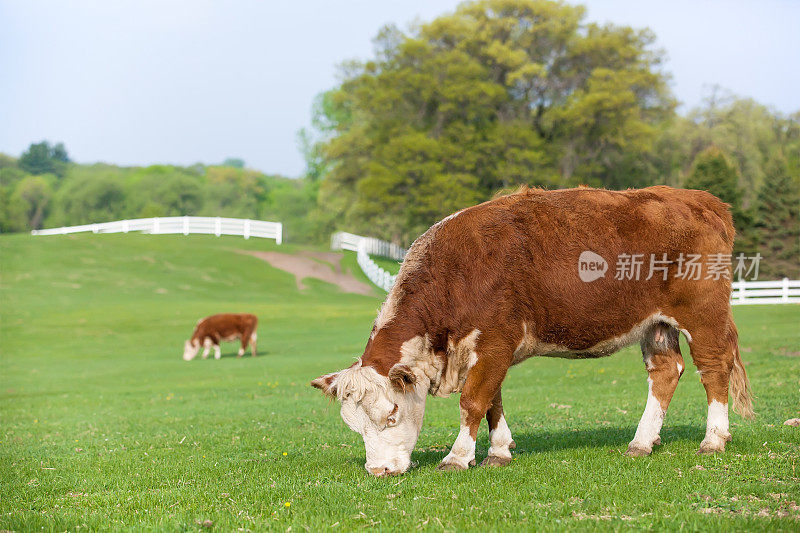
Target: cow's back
{"type": "Point", "coordinates": [226, 325]}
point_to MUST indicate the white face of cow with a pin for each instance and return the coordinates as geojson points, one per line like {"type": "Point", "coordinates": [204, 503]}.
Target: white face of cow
{"type": "Point", "coordinates": [190, 350]}
{"type": "Point", "coordinates": [386, 411]}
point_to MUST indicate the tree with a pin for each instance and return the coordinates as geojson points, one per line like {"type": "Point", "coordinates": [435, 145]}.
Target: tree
{"type": "Point", "coordinates": [6, 161]}
{"type": "Point", "coordinates": [31, 200]}
{"type": "Point", "coordinates": [747, 131]}
{"type": "Point", "coordinates": [502, 92]}
{"type": "Point", "coordinates": [164, 190]}
{"type": "Point", "coordinates": [712, 171]}
{"type": "Point", "coordinates": [41, 158]}
{"type": "Point", "coordinates": [233, 162]}
{"type": "Point", "coordinates": [90, 199]}
{"type": "Point", "coordinates": [777, 221]}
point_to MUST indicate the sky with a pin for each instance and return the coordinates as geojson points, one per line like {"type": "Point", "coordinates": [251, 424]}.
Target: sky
{"type": "Point", "coordinates": [138, 82]}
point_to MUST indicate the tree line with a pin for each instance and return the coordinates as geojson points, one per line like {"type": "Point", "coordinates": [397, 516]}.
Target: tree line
{"type": "Point", "coordinates": [44, 189]}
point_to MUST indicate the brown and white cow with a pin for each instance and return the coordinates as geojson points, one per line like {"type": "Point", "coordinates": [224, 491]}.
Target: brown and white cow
{"type": "Point", "coordinates": [497, 283]}
{"type": "Point", "coordinates": [211, 330]}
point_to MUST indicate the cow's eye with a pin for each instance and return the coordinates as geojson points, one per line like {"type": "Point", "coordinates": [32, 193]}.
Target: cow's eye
{"type": "Point", "coordinates": [391, 420]}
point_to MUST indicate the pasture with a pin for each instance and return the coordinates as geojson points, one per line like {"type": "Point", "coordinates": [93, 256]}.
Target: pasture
{"type": "Point", "coordinates": [106, 427]}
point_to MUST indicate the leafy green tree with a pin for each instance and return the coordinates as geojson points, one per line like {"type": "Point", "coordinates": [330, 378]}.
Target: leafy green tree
{"type": "Point", "coordinates": [777, 222]}
{"type": "Point", "coordinates": [6, 161]}
{"type": "Point", "coordinates": [90, 199]}
{"type": "Point", "coordinates": [234, 162]}
{"type": "Point", "coordinates": [712, 171]}
{"type": "Point", "coordinates": [41, 158]}
{"type": "Point", "coordinates": [10, 176]}
{"type": "Point", "coordinates": [31, 200]}
{"type": "Point", "coordinates": [750, 133]}
{"type": "Point", "coordinates": [499, 93]}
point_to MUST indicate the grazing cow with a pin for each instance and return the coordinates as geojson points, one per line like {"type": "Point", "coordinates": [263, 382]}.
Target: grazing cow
{"type": "Point", "coordinates": [225, 327]}
{"type": "Point", "coordinates": [528, 275]}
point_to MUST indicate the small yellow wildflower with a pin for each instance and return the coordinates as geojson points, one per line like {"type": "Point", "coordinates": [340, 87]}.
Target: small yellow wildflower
{"type": "Point", "coordinates": [284, 453]}
{"type": "Point", "coordinates": [287, 504]}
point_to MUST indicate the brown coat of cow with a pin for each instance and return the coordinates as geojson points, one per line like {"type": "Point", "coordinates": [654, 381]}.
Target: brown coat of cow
{"type": "Point", "coordinates": [214, 329]}
{"type": "Point", "coordinates": [496, 283]}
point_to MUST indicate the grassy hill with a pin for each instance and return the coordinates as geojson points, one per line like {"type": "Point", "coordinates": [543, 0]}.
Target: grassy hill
{"type": "Point", "coordinates": [105, 426]}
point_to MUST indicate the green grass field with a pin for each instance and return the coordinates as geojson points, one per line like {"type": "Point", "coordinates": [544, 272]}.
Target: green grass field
{"type": "Point", "coordinates": [389, 265]}
{"type": "Point", "coordinates": [104, 426]}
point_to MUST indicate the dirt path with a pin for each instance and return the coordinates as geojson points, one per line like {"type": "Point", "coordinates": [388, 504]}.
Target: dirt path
{"type": "Point", "coordinates": [307, 264]}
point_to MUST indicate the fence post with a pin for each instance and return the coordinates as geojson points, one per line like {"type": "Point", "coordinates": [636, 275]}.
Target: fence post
{"type": "Point", "coordinates": [156, 225]}
{"type": "Point", "coordinates": [125, 226]}
{"type": "Point", "coordinates": [246, 228]}
{"type": "Point", "coordinates": [742, 286]}
{"type": "Point", "coordinates": [217, 226]}
{"type": "Point", "coordinates": [785, 296]}
{"type": "Point", "coordinates": [185, 225]}
{"type": "Point", "coordinates": [94, 228]}
{"type": "Point", "coordinates": [279, 233]}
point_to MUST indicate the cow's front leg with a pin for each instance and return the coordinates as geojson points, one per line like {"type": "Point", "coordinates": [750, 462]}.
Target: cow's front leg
{"type": "Point", "coordinates": [500, 441]}
{"type": "Point", "coordinates": [206, 348]}
{"type": "Point", "coordinates": [217, 351]}
{"type": "Point", "coordinates": [482, 384]}
{"type": "Point", "coordinates": [462, 454]}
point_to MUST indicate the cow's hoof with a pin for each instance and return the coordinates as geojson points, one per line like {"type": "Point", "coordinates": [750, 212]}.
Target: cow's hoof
{"type": "Point", "coordinates": [657, 442]}
{"type": "Point", "coordinates": [450, 467]}
{"type": "Point", "coordinates": [494, 460]}
{"type": "Point", "coordinates": [449, 464]}
{"type": "Point", "coordinates": [512, 446]}
{"type": "Point", "coordinates": [707, 448]}
{"type": "Point", "coordinates": [634, 450]}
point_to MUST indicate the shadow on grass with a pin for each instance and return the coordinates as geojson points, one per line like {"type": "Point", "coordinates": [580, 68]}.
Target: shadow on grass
{"type": "Point", "coordinates": [235, 355]}
{"type": "Point", "coordinates": [533, 442]}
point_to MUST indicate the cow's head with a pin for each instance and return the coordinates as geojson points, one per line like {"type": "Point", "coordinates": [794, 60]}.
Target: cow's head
{"type": "Point", "coordinates": [190, 350]}
{"type": "Point", "coordinates": [386, 411]}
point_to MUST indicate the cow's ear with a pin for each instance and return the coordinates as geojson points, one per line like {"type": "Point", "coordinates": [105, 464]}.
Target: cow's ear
{"type": "Point", "coordinates": [401, 377]}
{"type": "Point", "coordinates": [327, 384]}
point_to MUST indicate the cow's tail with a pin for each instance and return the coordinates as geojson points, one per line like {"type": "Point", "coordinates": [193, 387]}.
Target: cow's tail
{"type": "Point", "coordinates": [739, 384]}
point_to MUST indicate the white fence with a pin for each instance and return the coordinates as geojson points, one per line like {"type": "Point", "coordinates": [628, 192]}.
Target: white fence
{"type": "Point", "coordinates": [364, 246]}
{"type": "Point", "coordinates": [784, 291]}
{"type": "Point", "coordinates": [162, 225]}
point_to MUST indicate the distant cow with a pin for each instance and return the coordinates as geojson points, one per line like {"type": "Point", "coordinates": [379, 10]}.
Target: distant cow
{"type": "Point", "coordinates": [532, 274]}
{"type": "Point", "coordinates": [212, 330]}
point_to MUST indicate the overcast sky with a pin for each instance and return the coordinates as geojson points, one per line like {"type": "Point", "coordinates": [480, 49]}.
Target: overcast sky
{"type": "Point", "coordinates": [136, 82]}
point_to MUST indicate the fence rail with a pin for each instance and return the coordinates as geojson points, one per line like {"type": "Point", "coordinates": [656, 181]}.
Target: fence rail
{"type": "Point", "coordinates": [364, 246]}
{"type": "Point", "coordinates": [170, 225]}
{"type": "Point", "coordinates": [783, 291]}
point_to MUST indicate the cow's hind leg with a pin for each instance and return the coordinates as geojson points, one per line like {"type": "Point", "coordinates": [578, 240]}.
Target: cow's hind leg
{"type": "Point", "coordinates": [715, 352]}
{"type": "Point", "coordinates": [482, 384]}
{"type": "Point", "coordinates": [500, 441]}
{"type": "Point", "coordinates": [243, 347]}
{"type": "Point", "coordinates": [253, 338]}
{"type": "Point", "coordinates": [664, 363]}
